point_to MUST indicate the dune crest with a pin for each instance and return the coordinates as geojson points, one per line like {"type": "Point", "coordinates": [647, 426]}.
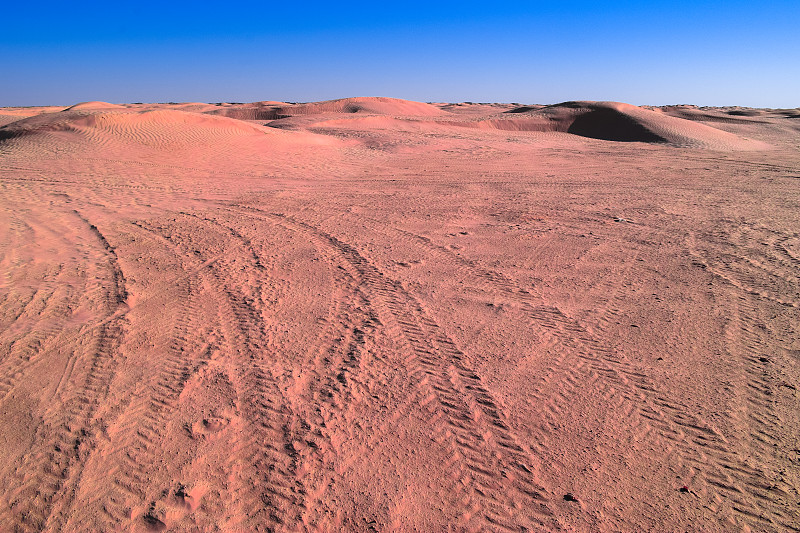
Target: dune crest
{"type": "Point", "coordinates": [93, 105]}
{"type": "Point", "coordinates": [160, 127]}
{"type": "Point", "coordinates": [263, 111]}
{"type": "Point", "coordinates": [610, 121]}
{"type": "Point", "coordinates": [369, 105]}
{"type": "Point", "coordinates": [616, 121]}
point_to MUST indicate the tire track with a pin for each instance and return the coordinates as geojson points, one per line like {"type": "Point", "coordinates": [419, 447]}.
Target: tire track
{"type": "Point", "coordinates": [465, 414]}
{"type": "Point", "coordinates": [724, 475]}
{"type": "Point", "coordinates": [325, 398]}
{"type": "Point", "coordinates": [44, 481]}
{"type": "Point", "coordinates": [746, 333]}
{"type": "Point", "coordinates": [265, 489]}
{"type": "Point", "coordinates": [36, 306]}
{"type": "Point", "coordinates": [134, 439]}
{"type": "Point", "coordinates": [773, 275]}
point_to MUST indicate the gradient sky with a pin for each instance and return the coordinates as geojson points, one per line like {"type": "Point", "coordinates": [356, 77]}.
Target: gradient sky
{"type": "Point", "coordinates": [647, 52]}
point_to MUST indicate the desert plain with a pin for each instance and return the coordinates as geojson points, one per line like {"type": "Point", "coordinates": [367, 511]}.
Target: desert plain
{"type": "Point", "coordinates": [374, 314]}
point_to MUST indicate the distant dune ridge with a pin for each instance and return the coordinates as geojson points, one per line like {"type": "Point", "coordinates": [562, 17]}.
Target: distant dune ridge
{"type": "Point", "coordinates": [93, 105]}
{"type": "Point", "coordinates": [615, 121]}
{"type": "Point", "coordinates": [610, 121]}
{"type": "Point", "coordinates": [136, 126]}
{"type": "Point", "coordinates": [368, 105]}
{"type": "Point", "coordinates": [163, 128]}
{"type": "Point", "coordinates": [364, 105]}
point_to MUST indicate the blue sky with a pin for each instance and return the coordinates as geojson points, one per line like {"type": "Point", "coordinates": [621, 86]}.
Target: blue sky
{"type": "Point", "coordinates": [648, 52]}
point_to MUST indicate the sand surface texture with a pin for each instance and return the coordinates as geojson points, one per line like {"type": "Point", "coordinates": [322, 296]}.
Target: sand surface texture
{"type": "Point", "coordinates": [373, 315]}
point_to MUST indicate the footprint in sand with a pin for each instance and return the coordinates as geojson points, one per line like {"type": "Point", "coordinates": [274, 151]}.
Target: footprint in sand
{"type": "Point", "coordinates": [209, 427]}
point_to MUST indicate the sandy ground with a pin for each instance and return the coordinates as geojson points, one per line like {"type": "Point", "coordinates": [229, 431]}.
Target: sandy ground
{"type": "Point", "coordinates": [374, 314]}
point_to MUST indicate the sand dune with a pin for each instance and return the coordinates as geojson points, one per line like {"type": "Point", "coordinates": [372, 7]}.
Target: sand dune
{"type": "Point", "coordinates": [610, 121]}
{"type": "Point", "coordinates": [371, 105]}
{"type": "Point", "coordinates": [715, 115]}
{"type": "Point", "coordinates": [729, 114]}
{"type": "Point", "coordinates": [147, 127]}
{"type": "Point", "coordinates": [471, 108]}
{"type": "Point", "coordinates": [93, 105]}
{"type": "Point", "coordinates": [162, 127]}
{"type": "Point", "coordinates": [167, 134]}
{"type": "Point", "coordinates": [371, 314]}
{"type": "Point", "coordinates": [158, 128]}
{"type": "Point", "coordinates": [13, 114]}
{"type": "Point", "coordinates": [8, 119]}
{"type": "Point", "coordinates": [366, 105]}
{"type": "Point", "coordinates": [165, 141]}
{"type": "Point", "coordinates": [193, 107]}
{"type": "Point", "coordinates": [615, 121]}
{"type": "Point", "coordinates": [264, 111]}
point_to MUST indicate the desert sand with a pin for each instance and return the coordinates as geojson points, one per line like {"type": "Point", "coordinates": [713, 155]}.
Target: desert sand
{"type": "Point", "coordinates": [373, 314]}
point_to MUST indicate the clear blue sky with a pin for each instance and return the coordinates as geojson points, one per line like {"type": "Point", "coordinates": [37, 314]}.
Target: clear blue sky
{"type": "Point", "coordinates": [648, 52]}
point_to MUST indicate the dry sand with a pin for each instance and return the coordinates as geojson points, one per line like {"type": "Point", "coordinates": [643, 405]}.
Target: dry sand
{"type": "Point", "coordinates": [372, 314]}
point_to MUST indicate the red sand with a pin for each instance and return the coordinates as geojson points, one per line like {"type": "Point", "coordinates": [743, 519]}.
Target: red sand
{"type": "Point", "coordinates": [373, 314]}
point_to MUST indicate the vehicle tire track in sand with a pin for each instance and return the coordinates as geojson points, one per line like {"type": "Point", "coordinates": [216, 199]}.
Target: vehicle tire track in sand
{"type": "Point", "coordinates": [329, 393]}
{"type": "Point", "coordinates": [44, 481]}
{"type": "Point", "coordinates": [745, 339]}
{"type": "Point", "coordinates": [736, 491]}
{"type": "Point", "coordinates": [36, 303]}
{"type": "Point", "coordinates": [739, 491]}
{"type": "Point", "coordinates": [746, 290]}
{"type": "Point", "coordinates": [491, 469]}
{"type": "Point", "coordinates": [140, 439]}
{"type": "Point", "coordinates": [263, 461]}
{"type": "Point", "coordinates": [586, 359]}
{"type": "Point", "coordinates": [769, 270]}
{"type": "Point", "coordinates": [727, 475]}
{"type": "Point", "coordinates": [263, 471]}
{"type": "Point", "coordinates": [262, 490]}
{"type": "Point", "coordinates": [139, 435]}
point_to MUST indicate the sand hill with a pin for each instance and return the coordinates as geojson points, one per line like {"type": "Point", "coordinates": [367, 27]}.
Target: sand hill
{"type": "Point", "coordinates": [611, 121]}
{"type": "Point", "coordinates": [614, 121]}
{"type": "Point", "coordinates": [368, 105]}
{"type": "Point", "coordinates": [93, 105]}
{"type": "Point", "coordinates": [155, 128]}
